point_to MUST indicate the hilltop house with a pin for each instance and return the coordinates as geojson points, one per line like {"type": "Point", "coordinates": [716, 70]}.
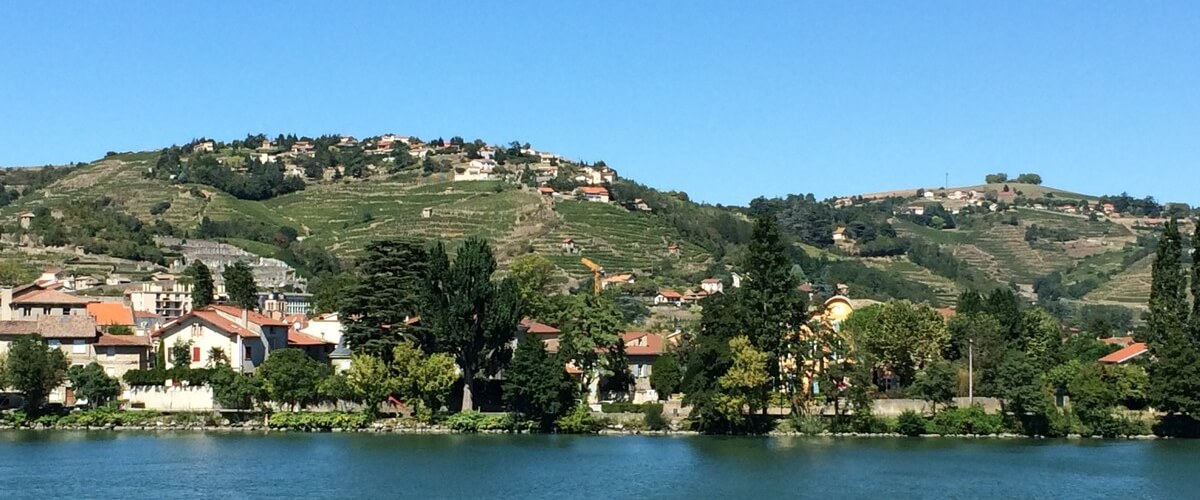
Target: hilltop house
{"type": "Point", "coordinates": [593, 193]}
{"type": "Point", "coordinates": [245, 337]}
{"type": "Point", "coordinates": [617, 279]}
{"type": "Point", "coordinates": [668, 296]}
{"type": "Point", "coordinates": [712, 285]}
{"type": "Point", "coordinates": [26, 219]}
{"type": "Point", "coordinates": [476, 170]}
{"type": "Point", "coordinates": [204, 147]}
{"type": "Point", "coordinates": [839, 235]}
{"type": "Point", "coordinates": [638, 205]}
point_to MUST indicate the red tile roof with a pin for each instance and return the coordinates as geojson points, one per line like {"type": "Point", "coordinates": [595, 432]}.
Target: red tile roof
{"type": "Point", "coordinates": [711, 280]}
{"type": "Point", "coordinates": [670, 294]}
{"type": "Point", "coordinates": [299, 339]}
{"type": "Point", "coordinates": [251, 316]}
{"type": "Point", "coordinates": [210, 316]}
{"type": "Point", "coordinates": [1125, 354]}
{"type": "Point", "coordinates": [110, 313]}
{"type": "Point", "coordinates": [596, 190]}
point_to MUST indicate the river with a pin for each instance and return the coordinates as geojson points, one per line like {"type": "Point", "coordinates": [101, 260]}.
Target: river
{"type": "Point", "coordinates": [40, 464]}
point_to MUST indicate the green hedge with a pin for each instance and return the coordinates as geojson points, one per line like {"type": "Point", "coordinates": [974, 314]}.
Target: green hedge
{"type": "Point", "coordinates": [158, 376]}
{"type": "Point", "coordinates": [310, 421]}
{"type": "Point", "coordinates": [621, 408]}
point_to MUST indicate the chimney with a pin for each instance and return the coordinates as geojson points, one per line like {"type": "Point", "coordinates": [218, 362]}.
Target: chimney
{"type": "Point", "coordinates": [245, 319]}
{"type": "Point", "coordinates": [6, 303]}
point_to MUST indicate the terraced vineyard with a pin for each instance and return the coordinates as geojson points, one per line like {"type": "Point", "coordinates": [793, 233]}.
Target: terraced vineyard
{"type": "Point", "coordinates": [947, 291]}
{"type": "Point", "coordinates": [1129, 287]}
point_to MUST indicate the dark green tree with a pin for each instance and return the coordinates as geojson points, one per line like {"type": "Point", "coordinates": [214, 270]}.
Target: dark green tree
{"type": "Point", "coordinates": [620, 376]}
{"type": "Point", "coordinates": [1175, 372]}
{"type": "Point", "coordinates": [387, 291]}
{"type": "Point", "coordinates": [665, 376]}
{"type": "Point", "coordinates": [292, 378]}
{"type": "Point", "coordinates": [591, 324]}
{"type": "Point", "coordinates": [536, 384]}
{"type": "Point", "coordinates": [707, 357]}
{"type": "Point", "coordinates": [34, 370]}
{"type": "Point", "coordinates": [1004, 305]}
{"type": "Point", "coordinates": [202, 284]}
{"type": "Point", "coordinates": [91, 383]}
{"type": "Point", "coordinates": [936, 384]}
{"type": "Point", "coordinates": [773, 304]}
{"type": "Point", "coordinates": [470, 316]}
{"type": "Point", "coordinates": [240, 285]}
{"type": "Point", "coordinates": [233, 390]}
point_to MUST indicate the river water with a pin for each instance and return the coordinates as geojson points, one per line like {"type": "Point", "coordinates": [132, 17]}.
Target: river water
{"type": "Point", "coordinates": [36, 464]}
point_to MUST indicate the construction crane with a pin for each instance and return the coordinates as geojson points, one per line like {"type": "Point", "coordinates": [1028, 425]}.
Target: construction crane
{"type": "Point", "coordinates": [597, 273]}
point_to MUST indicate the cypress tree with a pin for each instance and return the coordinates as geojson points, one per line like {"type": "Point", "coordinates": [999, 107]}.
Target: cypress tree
{"type": "Point", "coordinates": [1175, 372]}
{"type": "Point", "coordinates": [202, 284]}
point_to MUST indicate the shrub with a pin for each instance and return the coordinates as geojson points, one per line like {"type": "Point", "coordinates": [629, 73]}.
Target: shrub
{"type": "Point", "coordinates": [965, 421]}
{"type": "Point", "coordinates": [809, 425]}
{"type": "Point", "coordinates": [324, 421]}
{"type": "Point", "coordinates": [156, 377]}
{"type": "Point", "coordinates": [653, 417]}
{"type": "Point", "coordinates": [467, 421]}
{"type": "Point", "coordinates": [911, 423]}
{"type": "Point", "coordinates": [579, 421]}
{"type": "Point", "coordinates": [620, 407]}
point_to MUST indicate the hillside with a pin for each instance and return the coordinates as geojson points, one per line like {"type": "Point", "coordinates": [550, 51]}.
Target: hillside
{"type": "Point", "coordinates": [926, 245]}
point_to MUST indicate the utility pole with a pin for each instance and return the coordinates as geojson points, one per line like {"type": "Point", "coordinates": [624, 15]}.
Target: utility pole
{"type": "Point", "coordinates": [947, 184]}
{"type": "Point", "coordinates": [971, 371]}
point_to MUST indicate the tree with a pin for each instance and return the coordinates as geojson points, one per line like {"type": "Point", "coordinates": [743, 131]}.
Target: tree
{"type": "Point", "coordinates": [1041, 338]}
{"type": "Point", "coordinates": [240, 285]}
{"type": "Point", "coordinates": [978, 336]}
{"type": "Point", "coordinates": [665, 376]}
{"type": "Point", "coordinates": [592, 324]}
{"type": "Point", "coordinates": [181, 354]}
{"type": "Point", "coordinates": [217, 357]}
{"type": "Point", "coordinates": [536, 384]}
{"type": "Point", "coordinates": [746, 385]}
{"type": "Point", "coordinates": [234, 390]}
{"type": "Point", "coordinates": [202, 284]}
{"type": "Point", "coordinates": [291, 377]}
{"type": "Point", "coordinates": [533, 274]}
{"type": "Point", "coordinates": [471, 317]}
{"type": "Point", "coordinates": [937, 384]}
{"type": "Point", "coordinates": [707, 357]}
{"type": "Point", "coordinates": [91, 383]}
{"type": "Point", "coordinates": [328, 291]}
{"type": "Point", "coordinates": [996, 178]}
{"type": "Point", "coordinates": [772, 302]}
{"type": "Point", "coordinates": [34, 370]}
{"type": "Point", "coordinates": [619, 376]}
{"type": "Point", "coordinates": [14, 274]}
{"type": "Point", "coordinates": [903, 337]}
{"type": "Point", "coordinates": [422, 381]}
{"type": "Point", "coordinates": [1029, 179]}
{"type": "Point", "coordinates": [370, 382]}
{"type": "Point", "coordinates": [391, 279]}
{"type": "Point", "coordinates": [1175, 373]}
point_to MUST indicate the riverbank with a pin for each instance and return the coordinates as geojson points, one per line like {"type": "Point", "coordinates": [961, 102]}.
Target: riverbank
{"type": "Point", "coordinates": [441, 429]}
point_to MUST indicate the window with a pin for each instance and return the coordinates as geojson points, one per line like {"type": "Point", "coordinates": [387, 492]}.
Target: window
{"type": "Point", "coordinates": [52, 343]}
{"type": "Point", "coordinates": [112, 351]}
{"type": "Point", "coordinates": [45, 311]}
{"type": "Point", "coordinates": [78, 347]}
{"type": "Point", "coordinates": [195, 354]}
{"type": "Point", "coordinates": [249, 352]}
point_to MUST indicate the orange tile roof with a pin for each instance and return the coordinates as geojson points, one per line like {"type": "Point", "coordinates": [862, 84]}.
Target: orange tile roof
{"type": "Point", "coordinates": [48, 296]}
{"type": "Point", "coordinates": [300, 339]}
{"type": "Point", "coordinates": [670, 294]}
{"type": "Point", "coordinates": [110, 313]}
{"type": "Point", "coordinates": [597, 190]}
{"type": "Point", "coordinates": [1119, 341]}
{"type": "Point", "coordinates": [123, 340]}
{"type": "Point", "coordinates": [538, 328]}
{"type": "Point", "coordinates": [653, 343]}
{"type": "Point", "coordinates": [1125, 354]}
{"type": "Point", "coordinates": [251, 316]}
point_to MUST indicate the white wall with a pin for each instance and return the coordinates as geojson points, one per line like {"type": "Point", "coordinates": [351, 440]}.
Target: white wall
{"type": "Point", "coordinates": [171, 398]}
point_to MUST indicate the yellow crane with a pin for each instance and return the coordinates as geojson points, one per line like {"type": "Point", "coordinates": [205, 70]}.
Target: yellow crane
{"type": "Point", "coordinates": [597, 273]}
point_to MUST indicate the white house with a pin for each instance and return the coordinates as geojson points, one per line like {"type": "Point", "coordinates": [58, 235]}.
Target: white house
{"type": "Point", "coordinates": [594, 193]}
{"type": "Point", "coordinates": [712, 285]}
{"type": "Point", "coordinates": [245, 337]}
{"type": "Point", "coordinates": [476, 170]}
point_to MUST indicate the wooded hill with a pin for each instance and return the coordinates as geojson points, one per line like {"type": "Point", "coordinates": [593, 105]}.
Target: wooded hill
{"type": "Point", "coordinates": [923, 245]}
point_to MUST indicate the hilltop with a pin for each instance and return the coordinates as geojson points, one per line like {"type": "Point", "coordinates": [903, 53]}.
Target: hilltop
{"type": "Point", "coordinates": [317, 202]}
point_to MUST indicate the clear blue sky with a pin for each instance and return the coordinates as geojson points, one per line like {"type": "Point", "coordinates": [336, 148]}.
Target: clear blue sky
{"type": "Point", "coordinates": [726, 102]}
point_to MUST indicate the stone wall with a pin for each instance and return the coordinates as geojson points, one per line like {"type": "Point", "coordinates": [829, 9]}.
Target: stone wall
{"type": "Point", "coordinates": [170, 398]}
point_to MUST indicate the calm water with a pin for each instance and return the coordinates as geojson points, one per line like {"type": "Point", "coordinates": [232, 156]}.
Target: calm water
{"type": "Point", "coordinates": [182, 465]}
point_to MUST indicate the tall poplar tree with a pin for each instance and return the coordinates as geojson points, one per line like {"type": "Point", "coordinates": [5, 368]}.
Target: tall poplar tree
{"type": "Point", "coordinates": [773, 302]}
{"type": "Point", "coordinates": [470, 316]}
{"type": "Point", "coordinates": [202, 284]}
{"type": "Point", "coordinates": [240, 285]}
{"type": "Point", "coordinates": [1175, 371]}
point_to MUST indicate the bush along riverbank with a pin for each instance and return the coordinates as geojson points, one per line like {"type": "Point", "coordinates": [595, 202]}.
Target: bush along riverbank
{"type": "Point", "coordinates": [967, 422]}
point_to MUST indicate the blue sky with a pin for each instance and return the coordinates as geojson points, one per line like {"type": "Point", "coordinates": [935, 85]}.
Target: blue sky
{"type": "Point", "coordinates": [724, 101]}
